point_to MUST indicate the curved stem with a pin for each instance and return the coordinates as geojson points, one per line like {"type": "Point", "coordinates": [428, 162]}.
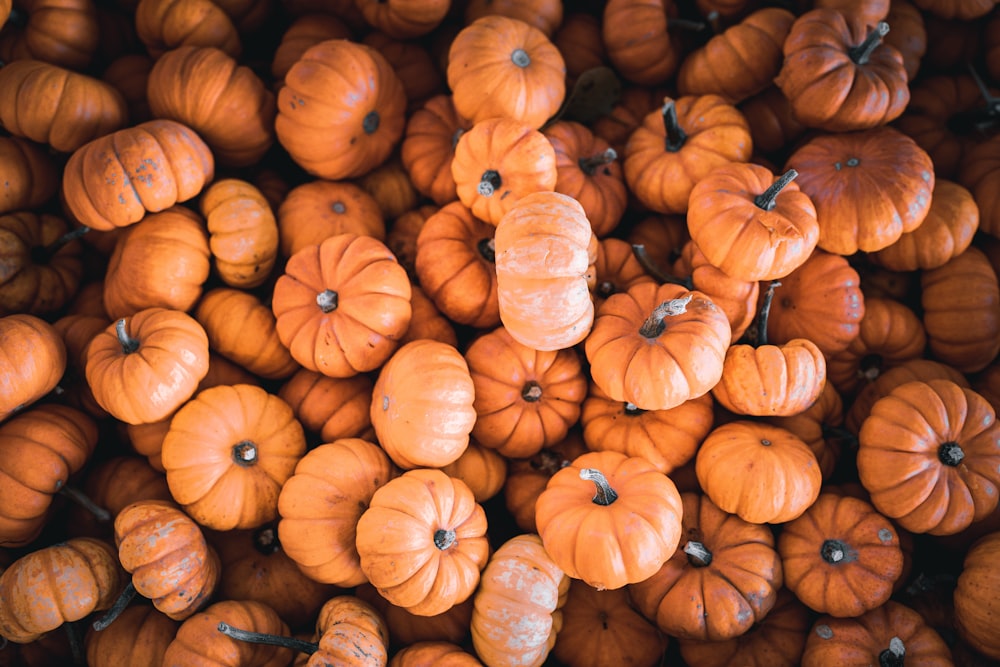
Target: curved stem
{"type": "Point", "coordinates": [263, 638]}
{"type": "Point", "coordinates": [443, 539]}
{"type": "Point", "coordinates": [768, 199]}
{"type": "Point", "coordinates": [488, 250]}
{"type": "Point", "coordinates": [42, 254]}
{"type": "Point", "coordinates": [675, 136]}
{"type": "Point", "coordinates": [646, 262]}
{"type": "Point", "coordinates": [327, 301]}
{"type": "Point", "coordinates": [84, 501]}
{"type": "Point", "coordinates": [121, 602]}
{"type": "Point", "coordinates": [605, 494]}
{"type": "Point", "coordinates": [654, 324]}
{"type": "Point", "coordinates": [129, 344]}
{"type": "Point", "coordinates": [992, 103]}
{"type": "Point", "coordinates": [697, 554]}
{"type": "Point", "coordinates": [687, 24]}
{"type": "Point", "coordinates": [764, 314]}
{"type": "Point", "coordinates": [860, 53]}
{"type": "Point", "coordinates": [590, 164]}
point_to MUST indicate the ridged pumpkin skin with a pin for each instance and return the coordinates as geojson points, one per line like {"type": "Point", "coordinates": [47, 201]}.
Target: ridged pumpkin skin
{"type": "Point", "coordinates": [333, 408]}
{"type": "Point", "coordinates": [341, 110]}
{"type": "Point", "coordinates": [56, 106]}
{"type": "Point", "coordinates": [519, 564]}
{"type": "Point", "coordinates": [29, 174]}
{"type": "Point", "coordinates": [771, 380]}
{"type": "Point", "coordinates": [166, 553]}
{"type": "Point", "coordinates": [316, 210]}
{"type": "Point", "coordinates": [33, 279]}
{"type": "Point", "coordinates": [54, 585]}
{"type": "Point", "coordinates": [138, 637]}
{"type": "Point", "coordinates": [609, 541]}
{"type": "Point", "coordinates": [422, 405]}
{"type": "Point", "coordinates": [350, 632]}
{"type": "Point", "coordinates": [224, 102]}
{"type": "Point", "coordinates": [545, 254]}
{"type": "Point", "coordinates": [227, 454]}
{"type": "Point", "coordinates": [422, 541]}
{"type": "Point", "coordinates": [930, 456]}
{"type": "Point", "coordinates": [342, 306]}
{"type": "Point", "coordinates": [32, 361]}
{"type": "Point", "coordinates": [503, 67]}
{"type": "Point", "coordinates": [115, 180]}
{"type": "Point", "coordinates": [61, 32]}
{"type": "Point", "coordinates": [199, 643]}
{"type": "Point", "coordinates": [321, 503]}
{"type": "Point", "coordinates": [434, 654]}
{"type": "Point", "coordinates": [162, 25]}
{"type": "Point", "coordinates": [977, 597]}
{"type": "Point", "coordinates": [39, 450]}
{"type": "Point", "coordinates": [243, 233]}
{"type": "Point", "coordinates": [428, 146]}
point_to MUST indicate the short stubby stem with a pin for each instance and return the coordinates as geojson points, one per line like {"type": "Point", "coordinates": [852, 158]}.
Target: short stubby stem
{"type": "Point", "coordinates": [327, 301]}
{"type": "Point", "coordinates": [444, 539]}
{"type": "Point", "coordinates": [532, 391]}
{"type": "Point", "coordinates": [950, 453]}
{"type": "Point", "coordinates": [520, 58]}
{"type": "Point", "coordinates": [245, 453]}
{"type": "Point", "coordinates": [697, 554]}
{"type": "Point", "coordinates": [893, 656]}
{"type": "Point", "coordinates": [589, 165]}
{"type": "Point", "coordinates": [371, 122]}
{"type": "Point", "coordinates": [489, 183]}
{"type": "Point", "coordinates": [835, 551]}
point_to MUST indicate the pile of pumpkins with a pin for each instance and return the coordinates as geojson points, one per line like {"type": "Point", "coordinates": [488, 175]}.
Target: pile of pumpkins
{"type": "Point", "coordinates": [499, 332]}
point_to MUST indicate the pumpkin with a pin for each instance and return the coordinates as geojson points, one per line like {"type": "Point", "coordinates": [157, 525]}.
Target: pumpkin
{"type": "Point", "coordinates": [579, 40]}
{"type": "Point", "coordinates": [634, 103]}
{"type": "Point", "coordinates": [929, 456]}
{"type": "Point", "coordinates": [961, 304]}
{"type": "Point", "coordinates": [401, 19]}
{"type": "Point", "coordinates": [29, 175]}
{"type": "Point", "coordinates": [963, 10]}
{"type": "Point", "coordinates": [57, 106]}
{"type": "Point", "coordinates": [527, 478]}
{"type": "Point", "coordinates": [406, 628]}
{"type": "Point", "coordinates": [113, 181]}
{"type": "Point", "coordinates": [588, 170]}
{"type": "Point", "coordinates": [427, 321]}
{"type": "Point", "coordinates": [680, 144]}
{"type": "Point", "coordinates": [53, 585]}
{"type": "Point", "coordinates": [432, 131]}
{"type": "Point", "coordinates": [819, 426]}
{"type": "Point", "coordinates": [320, 505]}
{"type": "Point", "coordinates": [481, 468]}
{"type": "Point", "coordinates": [637, 39]}
{"type": "Point", "coordinates": [619, 535]}
{"type": "Point", "coordinates": [892, 634]}
{"type": "Point", "coordinates": [422, 405]}
{"type": "Point", "coordinates": [139, 637]}
{"type": "Point", "coordinates": [390, 186]}
{"type": "Point", "coordinates": [313, 212]}
{"type": "Point", "coordinates": [978, 173]}
{"type": "Point", "coordinates": [519, 564]}
{"type": "Point", "coordinates": [129, 74]}
{"type": "Point", "coordinates": [838, 75]}
{"type": "Point", "coordinates": [305, 31]}
{"type": "Point", "coordinates": [351, 633]}
{"type": "Point", "coordinates": [163, 25]}
{"type": "Point", "coordinates": [413, 64]}
{"type": "Point", "coordinates": [77, 331]}
{"type": "Point", "coordinates": [39, 450]}
{"type": "Point", "coordinates": [545, 252]}
{"type": "Point", "coordinates": [504, 67]}
{"type": "Point", "coordinates": [455, 264]}
{"type": "Point", "coordinates": [525, 399]}
{"type": "Point", "coordinates": [422, 541]}
{"type": "Point", "coordinates": [167, 556]}
{"type": "Point", "coordinates": [243, 330]}
{"type": "Point", "coordinates": [224, 102]}
{"type": "Point", "coordinates": [227, 453]}
{"type": "Point", "coordinates": [32, 361]}
{"type": "Point", "coordinates": [780, 476]}
{"type": "Point", "coordinates": [976, 596]}
{"type": "Point", "coordinates": [739, 62]}
{"type": "Point", "coordinates": [499, 161]}
{"type": "Point", "coordinates": [341, 306]}
{"type": "Point", "coordinates": [142, 368]}
{"type": "Point", "coordinates": [616, 269]}
{"type": "Point", "coordinates": [61, 32]}
{"type": "Point", "coordinates": [341, 110]}
{"type": "Point", "coordinates": [430, 653]}
{"type": "Point", "coordinates": [243, 233]}
{"type": "Point", "coordinates": [601, 627]}
{"type": "Point", "coordinates": [666, 438]}
{"type": "Point", "coordinates": [199, 643]}
{"type": "Point", "coordinates": [841, 557]}
{"type": "Point", "coordinates": [657, 346]}
{"type": "Point", "coordinates": [750, 224]}
{"type": "Point", "coordinates": [545, 15]}
{"type": "Point", "coordinates": [722, 580]}
{"type": "Point", "coordinates": [736, 298]}
{"type": "Point", "coordinates": [333, 408]}
{"type": "Point", "coordinates": [772, 124]}
{"type": "Point", "coordinates": [113, 485]}
{"type": "Point", "coordinates": [40, 266]}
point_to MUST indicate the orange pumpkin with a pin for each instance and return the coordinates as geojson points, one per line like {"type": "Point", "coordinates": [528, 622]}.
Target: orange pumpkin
{"type": "Point", "coordinates": [40, 267]}
{"type": "Point", "coordinates": [61, 32]}
{"type": "Point", "coordinates": [162, 25]}
{"type": "Point", "coordinates": [428, 147]}
{"type": "Point", "coordinates": [243, 234]}
{"type": "Point", "coordinates": [314, 211]}
{"type": "Point", "coordinates": [333, 408]}
{"type": "Point", "coordinates": [32, 360]}
{"type": "Point", "coordinates": [29, 174]}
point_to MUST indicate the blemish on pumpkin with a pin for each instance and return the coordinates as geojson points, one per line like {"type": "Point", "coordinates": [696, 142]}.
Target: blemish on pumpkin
{"type": "Point", "coordinates": [385, 402]}
{"type": "Point", "coordinates": [885, 535]}
{"type": "Point", "coordinates": [824, 631]}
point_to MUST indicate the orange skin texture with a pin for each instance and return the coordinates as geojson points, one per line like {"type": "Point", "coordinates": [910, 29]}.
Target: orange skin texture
{"type": "Point", "coordinates": [199, 643]}
{"type": "Point", "coordinates": [27, 286]}
{"type": "Point", "coordinates": [428, 146]}
{"type": "Point", "coordinates": [139, 636]}
{"type": "Point", "coordinates": [483, 469]}
{"type": "Point", "coordinates": [434, 654]}
{"type": "Point", "coordinates": [332, 407]}
{"type": "Point", "coordinates": [612, 545]}
{"type": "Point", "coordinates": [314, 211]}
{"type": "Point", "coordinates": [32, 361]}
{"type": "Point", "coordinates": [350, 632]}
{"type": "Point", "coordinates": [29, 173]}
{"type": "Point", "coordinates": [737, 298]}
{"type": "Point", "coordinates": [977, 597]}
{"type": "Point", "coordinates": [243, 232]}
{"type": "Point", "coordinates": [771, 380]}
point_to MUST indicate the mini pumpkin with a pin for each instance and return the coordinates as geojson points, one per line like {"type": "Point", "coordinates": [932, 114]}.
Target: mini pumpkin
{"type": "Point", "coordinates": [32, 360]}
{"type": "Point", "coordinates": [40, 267]}
{"type": "Point", "coordinates": [242, 232]}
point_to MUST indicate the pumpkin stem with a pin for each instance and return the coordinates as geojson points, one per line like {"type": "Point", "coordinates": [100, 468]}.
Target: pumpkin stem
{"type": "Point", "coordinates": [455, 137]}
{"type": "Point", "coordinates": [758, 336]}
{"type": "Point", "coordinates": [892, 656]}
{"type": "Point", "coordinates": [605, 494]}
{"type": "Point", "coordinates": [129, 344]}
{"type": "Point", "coordinates": [520, 58]}
{"type": "Point", "coordinates": [837, 433]}
{"type": "Point", "coordinates": [270, 640]}
{"type": "Point", "coordinates": [767, 200]}
{"type": "Point", "coordinates": [675, 135]}
{"type": "Point", "coordinates": [605, 288]}
{"type": "Point", "coordinates": [650, 267]}
{"type": "Point", "coordinates": [549, 462]}
{"type": "Point", "coordinates": [17, 18]}
{"type": "Point", "coordinates": [443, 539]}
{"type": "Point", "coordinates": [950, 453]}
{"type": "Point", "coordinates": [487, 250]}
{"type": "Point", "coordinates": [327, 301]}
{"type": "Point", "coordinates": [632, 410]}
{"type": "Point", "coordinates": [655, 324]}
{"type": "Point", "coordinates": [245, 453]}
{"type": "Point", "coordinates": [371, 122]}
{"type": "Point", "coordinates": [835, 551]}
{"type": "Point", "coordinates": [697, 554]}
{"type": "Point", "coordinates": [863, 51]}
{"type": "Point", "coordinates": [42, 254]}
{"type": "Point", "coordinates": [76, 650]}
{"type": "Point", "coordinates": [687, 24]}
{"type": "Point", "coordinates": [265, 540]}
{"type": "Point", "coordinates": [84, 501]}
{"type": "Point", "coordinates": [590, 164]}
{"type": "Point", "coordinates": [992, 103]}
{"type": "Point", "coordinates": [532, 391]}
{"type": "Point", "coordinates": [121, 602]}
{"type": "Point", "coordinates": [489, 183]}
